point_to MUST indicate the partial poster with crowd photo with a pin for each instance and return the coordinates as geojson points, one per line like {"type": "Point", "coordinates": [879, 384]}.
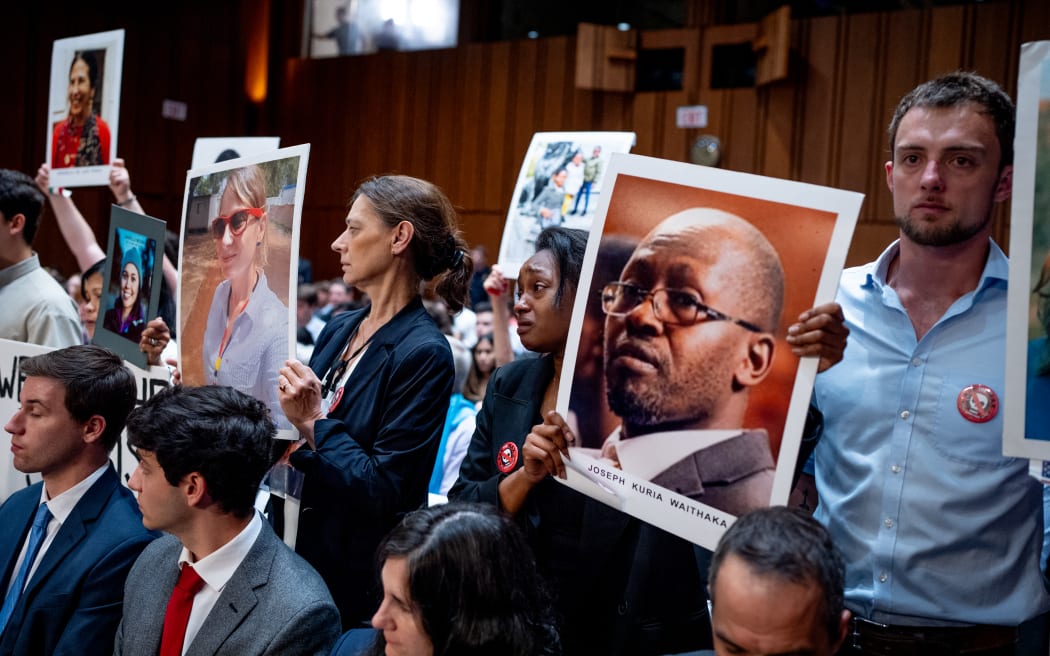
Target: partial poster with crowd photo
{"type": "Point", "coordinates": [84, 108]}
{"type": "Point", "coordinates": [687, 402]}
{"type": "Point", "coordinates": [1026, 420]}
{"type": "Point", "coordinates": [560, 183]}
{"type": "Point", "coordinates": [238, 270]}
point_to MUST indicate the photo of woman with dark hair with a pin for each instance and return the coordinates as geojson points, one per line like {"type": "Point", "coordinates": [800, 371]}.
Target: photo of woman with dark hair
{"type": "Point", "coordinates": [82, 138]}
{"type": "Point", "coordinates": [459, 579]}
{"type": "Point", "coordinates": [126, 317]}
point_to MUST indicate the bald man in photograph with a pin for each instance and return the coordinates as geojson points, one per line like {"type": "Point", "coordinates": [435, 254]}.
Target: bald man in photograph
{"type": "Point", "coordinates": [689, 331]}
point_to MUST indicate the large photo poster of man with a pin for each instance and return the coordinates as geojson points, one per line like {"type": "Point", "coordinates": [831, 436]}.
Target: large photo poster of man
{"type": "Point", "coordinates": [1026, 423]}
{"type": "Point", "coordinates": [84, 108]}
{"type": "Point", "coordinates": [560, 183]}
{"type": "Point", "coordinates": [238, 268]}
{"type": "Point", "coordinates": [688, 404]}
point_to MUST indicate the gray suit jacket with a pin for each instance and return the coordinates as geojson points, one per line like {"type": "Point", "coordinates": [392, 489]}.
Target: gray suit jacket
{"type": "Point", "coordinates": [734, 476]}
{"type": "Point", "coordinates": [275, 603]}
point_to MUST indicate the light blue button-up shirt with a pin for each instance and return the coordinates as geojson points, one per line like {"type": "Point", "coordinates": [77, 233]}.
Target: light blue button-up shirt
{"type": "Point", "coordinates": [937, 527]}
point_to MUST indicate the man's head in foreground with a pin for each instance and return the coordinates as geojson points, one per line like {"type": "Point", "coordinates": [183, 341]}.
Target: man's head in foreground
{"type": "Point", "coordinates": [776, 585]}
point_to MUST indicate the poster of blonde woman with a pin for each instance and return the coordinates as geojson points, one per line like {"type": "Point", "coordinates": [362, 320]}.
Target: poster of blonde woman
{"type": "Point", "coordinates": [240, 245]}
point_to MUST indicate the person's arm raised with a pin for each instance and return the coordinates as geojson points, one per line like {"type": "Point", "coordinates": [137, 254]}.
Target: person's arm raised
{"type": "Point", "coordinates": [498, 287]}
{"type": "Point", "coordinates": [75, 229]}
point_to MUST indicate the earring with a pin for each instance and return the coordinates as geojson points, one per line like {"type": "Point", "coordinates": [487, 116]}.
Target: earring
{"type": "Point", "coordinates": [259, 243]}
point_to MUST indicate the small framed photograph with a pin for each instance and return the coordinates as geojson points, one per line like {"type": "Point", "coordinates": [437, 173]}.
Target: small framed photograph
{"type": "Point", "coordinates": [131, 283]}
{"type": "Point", "coordinates": [84, 108]}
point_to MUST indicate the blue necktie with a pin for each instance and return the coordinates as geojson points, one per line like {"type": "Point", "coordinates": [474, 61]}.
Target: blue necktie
{"type": "Point", "coordinates": [36, 538]}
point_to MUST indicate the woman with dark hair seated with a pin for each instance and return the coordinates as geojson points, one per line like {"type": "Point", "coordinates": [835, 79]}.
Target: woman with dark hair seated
{"type": "Point", "coordinates": [458, 579]}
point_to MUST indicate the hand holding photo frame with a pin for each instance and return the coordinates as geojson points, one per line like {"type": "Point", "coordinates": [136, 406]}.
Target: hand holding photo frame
{"type": "Point", "coordinates": [84, 108]}
{"type": "Point", "coordinates": [131, 283]}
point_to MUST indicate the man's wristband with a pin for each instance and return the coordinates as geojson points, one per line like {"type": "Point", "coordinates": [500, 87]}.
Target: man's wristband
{"type": "Point", "coordinates": [128, 201]}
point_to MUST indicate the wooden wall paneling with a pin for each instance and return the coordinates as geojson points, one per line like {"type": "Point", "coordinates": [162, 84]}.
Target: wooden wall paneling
{"type": "Point", "coordinates": [422, 104]}
{"type": "Point", "coordinates": [995, 50]}
{"type": "Point", "coordinates": [368, 96]}
{"type": "Point", "coordinates": [399, 98]}
{"type": "Point", "coordinates": [555, 66]}
{"type": "Point", "coordinates": [778, 128]}
{"type": "Point", "coordinates": [445, 143]}
{"type": "Point", "coordinates": [497, 160]}
{"type": "Point", "coordinates": [1034, 21]}
{"type": "Point", "coordinates": [644, 123]}
{"type": "Point", "coordinates": [743, 130]}
{"type": "Point", "coordinates": [944, 42]}
{"type": "Point", "coordinates": [818, 75]}
{"type": "Point", "coordinates": [730, 112]}
{"type": "Point", "coordinates": [858, 134]}
{"type": "Point", "coordinates": [471, 122]}
{"type": "Point", "coordinates": [675, 142]}
{"type": "Point", "coordinates": [526, 110]}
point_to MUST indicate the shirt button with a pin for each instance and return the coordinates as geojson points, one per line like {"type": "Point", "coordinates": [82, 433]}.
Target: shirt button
{"type": "Point", "coordinates": [888, 523]}
{"type": "Point", "coordinates": [896, 469]}
{"type": "Point", "coordinates": [905, 414]}
{"type": "Point", "coordinates": [882, 577]}
{"type": "Point", "coordinates": [915, 362]}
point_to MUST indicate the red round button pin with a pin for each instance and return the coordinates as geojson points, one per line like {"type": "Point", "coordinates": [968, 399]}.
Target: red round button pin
{"type": "Point", "coordinates": [977, 403]}
{"type": "Point", "coordinates": [507, 458]}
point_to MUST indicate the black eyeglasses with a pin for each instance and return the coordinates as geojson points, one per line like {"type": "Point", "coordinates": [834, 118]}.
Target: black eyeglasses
{"type": "Point", "coordinates": [237, 220]}
{"type": "Point", "coordinates": [679, 307]}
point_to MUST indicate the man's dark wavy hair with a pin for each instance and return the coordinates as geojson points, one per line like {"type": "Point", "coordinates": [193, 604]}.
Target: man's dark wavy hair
{"type": "Point", "coordinates": [960, 88]}
{"type": "Point", "coordinates": [221, 433]}
{"type": "Point", "coordinates": [787, 544]}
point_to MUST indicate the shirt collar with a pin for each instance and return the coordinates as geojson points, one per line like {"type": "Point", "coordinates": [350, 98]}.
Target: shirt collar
{"type": "Point", "coordinates": [19, 269]}
{"type": "Point", "coordinates": [63, 504]}
{"type": "Point", "coordinates": [218, 567]}
{"type": "Point", "coordinates": [996, 267]}
{"type": "Point", "coordinates": [648, 455]}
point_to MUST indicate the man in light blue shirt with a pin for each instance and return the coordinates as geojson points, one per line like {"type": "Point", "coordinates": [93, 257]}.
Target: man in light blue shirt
{"type": "Point", "coordinates": [941, 533]}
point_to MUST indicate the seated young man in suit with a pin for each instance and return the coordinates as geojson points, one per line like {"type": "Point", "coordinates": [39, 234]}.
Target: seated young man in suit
{"type": "Point", "coordinates": [67, 543]}
{"type": "Point", "coordinates": [222, 582]}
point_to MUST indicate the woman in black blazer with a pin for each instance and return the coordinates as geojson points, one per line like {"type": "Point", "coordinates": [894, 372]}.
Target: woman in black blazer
{"type": "Point", "coordinates": [371, 406]}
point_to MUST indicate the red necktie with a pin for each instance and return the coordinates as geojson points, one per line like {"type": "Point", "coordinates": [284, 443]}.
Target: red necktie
{"type": "Point", "coordinates": [178, 613]}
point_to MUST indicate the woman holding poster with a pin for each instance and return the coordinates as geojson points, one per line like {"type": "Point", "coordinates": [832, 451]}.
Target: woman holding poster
{"type": "Point", "coordinates": [82, 138]}
{"type": "Point", "coordinates": [371, 406]}
{"type": "Point", "coordinates": [246, 337]}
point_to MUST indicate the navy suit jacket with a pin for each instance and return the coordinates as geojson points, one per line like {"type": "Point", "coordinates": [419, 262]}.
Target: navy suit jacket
{"type": "Point", "coordinates": [375, 451]}
{"type": "Point", "coordinates": [73, 602]}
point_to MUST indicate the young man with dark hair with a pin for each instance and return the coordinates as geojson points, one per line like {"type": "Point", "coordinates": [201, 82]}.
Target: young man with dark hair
{"type": "Point", "coordinates": [68, 542]}
{"type": "Point", "coordinates": [941, 533]}
{"type": "Point", "coordinates": [35, 308]}
{"type": "Point", "coordinates": [222, 582]}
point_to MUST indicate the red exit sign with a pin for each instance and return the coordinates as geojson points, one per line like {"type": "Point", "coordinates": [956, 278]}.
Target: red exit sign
{"type": "Point", "coordinates": [692, 116]}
